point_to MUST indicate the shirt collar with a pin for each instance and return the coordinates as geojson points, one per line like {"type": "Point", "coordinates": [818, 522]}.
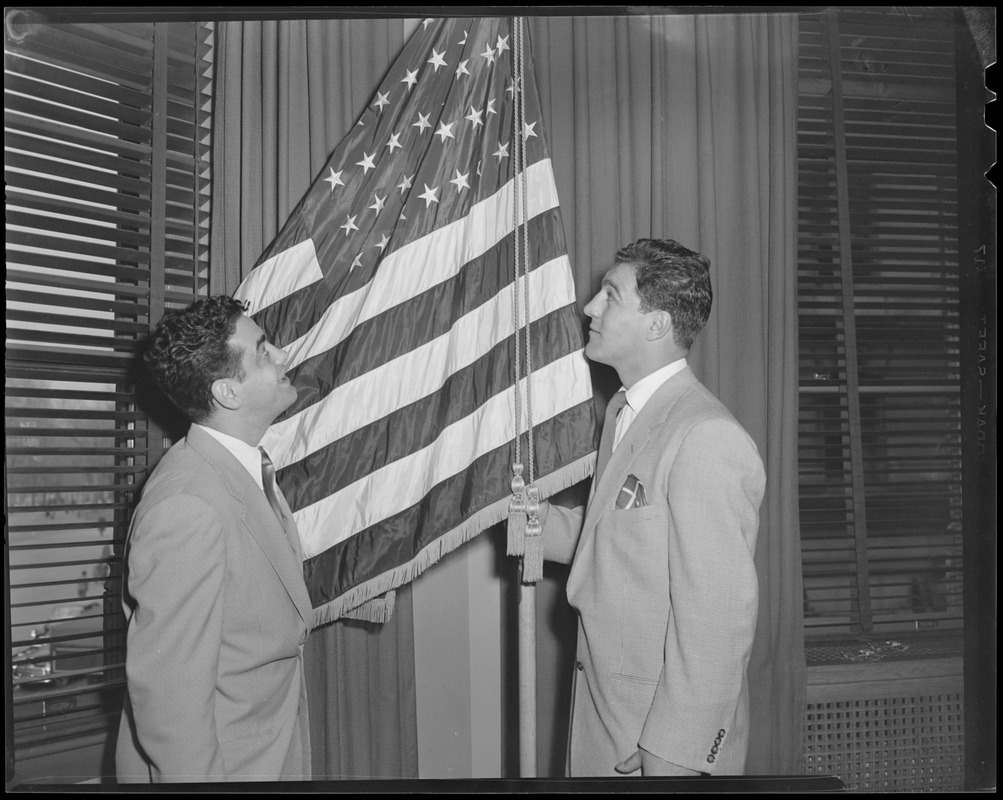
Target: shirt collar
{"type": "Point", "coordinates": [248, 455]}
{"type": "Point", "coordinates": [642, 391]}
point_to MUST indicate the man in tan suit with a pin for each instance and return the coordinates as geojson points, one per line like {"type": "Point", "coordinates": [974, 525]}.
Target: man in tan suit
{"type": "Point", "coordinates": [662, 574]}
{"type": "Point", "coordinates": [217, 606]}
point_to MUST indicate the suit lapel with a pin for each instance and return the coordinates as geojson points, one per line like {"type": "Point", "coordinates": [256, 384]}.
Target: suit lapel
{"type": "Point", "coordinates": [255, 516]}
{"type": "Point", "coordinates": [616, 404]}
{"type": "Point", "coordinates": [654, 413]}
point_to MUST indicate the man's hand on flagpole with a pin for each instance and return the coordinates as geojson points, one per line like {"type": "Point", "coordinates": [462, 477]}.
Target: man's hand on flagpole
{"type": "Point", "coordinates": [650, 765]}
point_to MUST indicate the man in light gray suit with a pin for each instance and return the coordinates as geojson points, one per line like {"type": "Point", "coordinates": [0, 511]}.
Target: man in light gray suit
{"type": "Point", "coordinates": [662, 574]}
{"type": "Point", "coordinates": [218, 610]}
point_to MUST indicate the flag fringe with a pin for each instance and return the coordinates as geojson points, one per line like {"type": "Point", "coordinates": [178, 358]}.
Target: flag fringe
{"type": "Point", "coordinates": [379, 609]}
{"type": "Point", "coordinates": [368, 601]}
{"type": "Point", "coordinates": [516, 544]}
{"type": "Point", "coordinates": [532, 561]}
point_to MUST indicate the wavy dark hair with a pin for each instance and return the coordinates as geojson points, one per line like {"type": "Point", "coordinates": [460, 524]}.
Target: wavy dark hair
{"type": "Point", "coordinates": [190, 349]}
{"type": "Point", "coordinates": [672, 278]}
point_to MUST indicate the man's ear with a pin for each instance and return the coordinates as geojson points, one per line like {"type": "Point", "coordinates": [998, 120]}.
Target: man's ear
{"type": "Point", "coordinates": [660, 325]}
{"type": "Point", "coordinates": [224, 394]}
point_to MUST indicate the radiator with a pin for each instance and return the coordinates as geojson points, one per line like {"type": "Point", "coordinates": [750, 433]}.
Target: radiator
{"type": "Point", "coordinates": [895, 726]}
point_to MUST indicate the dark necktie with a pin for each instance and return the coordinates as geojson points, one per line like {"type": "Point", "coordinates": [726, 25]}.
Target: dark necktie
{"type": "Point", "coordinates": [618, 401]}
{"type": "Point", "coordinates": [271, 487]}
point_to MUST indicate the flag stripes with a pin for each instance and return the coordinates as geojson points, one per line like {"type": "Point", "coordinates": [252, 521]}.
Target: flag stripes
{"type": "Point", "coordinates": [413, 269]}
{"type": "Point", "coordinates": [416, 426]}
{"type": "Point", "coordinates": [405, 326]}
{"type": "Point", "coordinates": [392, 288]}
{"type": "Point", "coordinates": [400, 547]}
{"type": "Point", "coordinates": [280, 276]}
{"type": "Point", "coordinates": [417, 373]}
{"type": "Point", "coordinates": [402, 483]}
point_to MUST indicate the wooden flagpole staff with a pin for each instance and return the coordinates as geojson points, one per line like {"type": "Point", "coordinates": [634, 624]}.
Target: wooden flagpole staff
{"type": "Point", "coordinates": [525, 533]}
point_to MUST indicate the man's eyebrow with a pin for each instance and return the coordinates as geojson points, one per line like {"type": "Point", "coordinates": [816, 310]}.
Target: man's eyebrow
{"type": "Point", "coordinates": [261, 341]}
{"type": "Point", "coordinates": [608, 283]}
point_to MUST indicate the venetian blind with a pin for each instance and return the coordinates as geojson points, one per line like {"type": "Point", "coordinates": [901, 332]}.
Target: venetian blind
{"type": "Point", "coordinates": [879, 424]}
{"type": "Point", "coordinates": [106, 163]}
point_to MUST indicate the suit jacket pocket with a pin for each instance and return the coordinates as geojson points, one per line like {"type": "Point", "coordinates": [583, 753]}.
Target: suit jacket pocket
{"type": "Point", "coordinates": [242, 736]}
{"type": "Point", "coordinates": [640, 515]}
{"type": "Point", "coordinates": [641, 533]}
{"type": "Point", "coordinates": [632, 696]}
{"type": "Point", "coordinates": [247, 756]}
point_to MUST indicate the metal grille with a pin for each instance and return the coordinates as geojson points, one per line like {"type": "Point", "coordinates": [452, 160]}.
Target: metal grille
{"type": "Point", "coordinates": [908, 743]}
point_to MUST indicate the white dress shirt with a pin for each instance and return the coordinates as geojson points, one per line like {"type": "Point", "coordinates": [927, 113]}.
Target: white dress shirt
{"type": "Point", "coordinates": [640, 393]}
{"type": "Point", "coordinates": [248, 455]}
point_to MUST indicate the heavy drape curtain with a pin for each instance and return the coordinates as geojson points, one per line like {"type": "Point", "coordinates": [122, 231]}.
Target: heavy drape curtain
{"type": "Point", "coordinates": [684, 127]}
{"type": "Point", "coordinates": [286, 94]}
{"type": "Point", "coordinates": [678, 126]}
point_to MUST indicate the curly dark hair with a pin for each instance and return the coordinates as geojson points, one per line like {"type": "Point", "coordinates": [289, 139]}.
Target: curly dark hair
{"type": "Point", "coordinates": [672, 278]}
{"type": "Point", "coordinates": [190, 349]}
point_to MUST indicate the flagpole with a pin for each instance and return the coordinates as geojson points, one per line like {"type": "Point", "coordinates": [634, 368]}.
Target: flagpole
{"type": "Point", "coordinates": [527, 680]}
{"type": "Point", "coordinates": [531, 565]}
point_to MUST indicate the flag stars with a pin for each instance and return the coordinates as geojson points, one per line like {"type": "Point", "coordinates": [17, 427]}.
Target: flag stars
{"type": "Point", "coordinates": [502, 45]}
{"type": "Point", "coordinates": [445, 131]}
{"type": "Point", "coordinates": [349, 225]}
{"type": "Point", "coordinates": [356, 263]}
{"type": "Point", "coordinates": [462, 69]}
{"type": "Point", "coordinates": [429, 196]}
{"type": "Point", "coordinates": [335, 178]}
{"type": "Point", "coordinates": [367, 163]}
{"type": "Point", "coordinates": [382, 100]}
{"type": "Point", "coordinates": [475, 117]}
{"type": "Point", "coordinates": [527, 131]}
{"type": "Point", "coordinates": [382, 243]}
{"type": "Point", "coordinates": [405, 184]}
{"type": "Point", "coordinates": [395, 142]}
{"type": "Point", "coordinates": [463, 41]}
{"type": "Point", "coordinates": [422, 123]}
{"type": "Point", "coordinates": [489, 54]}
{"type": "Point", "coordinates": [437, 60]}
{"type": "Point", "coordinates": [460, 181]}
{"type": "Point", "coordinates": [410, 78]}
{"type": "Point", "coordinates": [511, 88]}
{"type": "Point", "coordinates": [501, 152]}
{"type": "Point", "coordinates": [491, 107]}
{"type": "Point", "coordinates": [378, 203]}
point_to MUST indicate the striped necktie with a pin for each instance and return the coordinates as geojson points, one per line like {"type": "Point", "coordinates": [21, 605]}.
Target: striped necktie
{"type": "Point", "coordinates": [271, 488]}
{"type": "Point", "coordinates": [623, 420]}
{"type": "Point", "coordinates": [618, 401]}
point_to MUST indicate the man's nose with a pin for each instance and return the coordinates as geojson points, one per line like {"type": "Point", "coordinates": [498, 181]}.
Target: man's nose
{"type": "Point", "coordinates": [279, 355]}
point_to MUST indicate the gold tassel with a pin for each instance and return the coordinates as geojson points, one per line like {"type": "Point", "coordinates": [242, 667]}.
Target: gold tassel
{"type": "Point", "coordinates": [532, 561]}
{"type": "Point", "coordinates": [517, 513]}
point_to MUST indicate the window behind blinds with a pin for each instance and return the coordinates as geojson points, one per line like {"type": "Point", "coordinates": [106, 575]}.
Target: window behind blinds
{"type": "Point", "coordinates": [879, 435]}
{"type": "Point", "coordinates": [106, 153]}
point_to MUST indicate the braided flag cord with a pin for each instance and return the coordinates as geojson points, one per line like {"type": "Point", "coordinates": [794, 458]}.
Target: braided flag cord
{"type": "Point", "coordinates": [391, 288]}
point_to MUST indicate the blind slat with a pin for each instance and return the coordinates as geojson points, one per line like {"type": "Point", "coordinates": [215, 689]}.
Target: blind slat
{"type": "Point", "coordinates": [896, 85]}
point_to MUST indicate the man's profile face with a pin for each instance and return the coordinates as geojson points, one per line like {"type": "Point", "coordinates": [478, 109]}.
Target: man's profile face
{"type": "Point", "coordinates": [265, 391]}
{"type": "Point", "coordinates": [618, 327]}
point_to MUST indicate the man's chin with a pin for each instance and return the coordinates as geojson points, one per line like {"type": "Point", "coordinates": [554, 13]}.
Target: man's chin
{"type": "Point", "coordinates": [292, 394]}
{"type": "Point", "coordinates": [593, 353]}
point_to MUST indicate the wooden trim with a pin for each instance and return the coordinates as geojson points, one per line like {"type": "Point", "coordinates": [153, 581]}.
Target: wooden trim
{"type": "Point", "coordinates": [859, 521]}
{"type": "Point", "coordinates": [868, 681]}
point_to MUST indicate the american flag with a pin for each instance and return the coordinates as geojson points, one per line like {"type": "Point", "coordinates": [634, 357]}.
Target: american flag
{"type": "Point", "coordinates": [391, 286]}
